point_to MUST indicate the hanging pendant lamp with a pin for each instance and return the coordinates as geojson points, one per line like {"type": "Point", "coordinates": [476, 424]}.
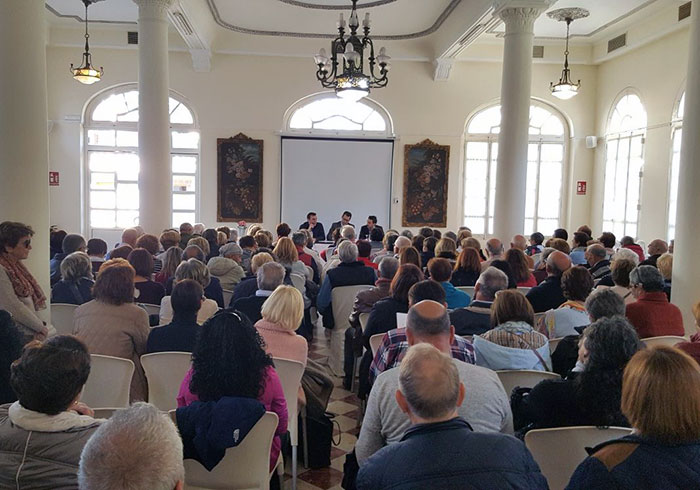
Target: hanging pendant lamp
{"type": "Point", "coordinates": [566, 88]}
{"type": "Point", "coordinates": [86, 73]}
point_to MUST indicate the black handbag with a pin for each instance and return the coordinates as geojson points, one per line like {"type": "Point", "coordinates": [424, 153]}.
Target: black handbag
{"type": "Point", "coordinates": [319, 431]}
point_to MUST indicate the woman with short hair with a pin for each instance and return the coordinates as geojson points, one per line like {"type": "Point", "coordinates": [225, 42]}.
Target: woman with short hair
{"type": "Point", "coordinates": [576, 285]}
{"type": "Point", "coordinates": [288, 257]}
{"type": "Point", "coordinates": [661, 400]}
{"type": "Point", "coordinates": [197, 271]}
{"type": "Point", "coordinates": [43, 433]}
{"type": "Point", "coordinates": [446, 248]}
{"type": "Point", "coordinates": [620, 273]}
{"type": "Point", "coordinates": [521, 272]}
{"type": "Point", "coordinates": [20, 293]}
{"type": "Point", "coordinates": [147, 291]}
{"type": "Point", "coordinates": [282, 314]}
{"type": "Point", "coordinates": [229, 360]}
{"type": "Point", "coordinates": [467, 269]}
{"type": "Point", "coordinates": [111, 324]}
{"type": "Point", "coordinates": [75, 286]}
{"type": "Point", "coordinates": [410, 255]}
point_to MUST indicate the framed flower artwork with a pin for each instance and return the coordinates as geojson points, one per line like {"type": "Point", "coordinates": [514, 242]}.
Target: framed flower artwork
{"type": "Point", "coordinates": [425, 173]}
{"type": "Point", "coordinates": [240, 179]}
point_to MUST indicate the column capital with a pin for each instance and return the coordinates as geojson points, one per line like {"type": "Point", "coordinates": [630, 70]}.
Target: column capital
{"type": "Point", "coordinates": [157, 7]}
{"type": "Point", "coordinates": [520, 13]}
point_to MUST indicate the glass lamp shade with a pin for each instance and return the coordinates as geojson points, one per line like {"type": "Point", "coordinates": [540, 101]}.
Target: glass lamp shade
{"type": "Point", "coordinates": [352, 87]}
{"type": "Point", "coordinates": [87, 75]}
{"type": "Point", "coordinates": [565, 91]}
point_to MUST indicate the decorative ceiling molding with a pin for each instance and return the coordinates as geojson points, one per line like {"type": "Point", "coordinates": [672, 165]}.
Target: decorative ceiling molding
{"type": "Point", "coordinates": [81, 20]}
{"type": "Point", "coordinates": [310, 35]}
{"type": "Point", "coordinates": [299, 3]}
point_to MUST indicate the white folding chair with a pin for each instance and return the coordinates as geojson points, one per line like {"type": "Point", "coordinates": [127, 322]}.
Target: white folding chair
{"type": "Point", "coordinates": [524, 378]}
{"type": "Point", "coordinates": [245, 466]}
{"type": "Point", "coordinates": [165, 372]}
{"type": "Point", "coordinates": [109, 382]}
{"type": "Point", "coordinates": [290, 373]}
{"type": "Point", "coordinates": [401, 319]}
{"type": "Point", "coordinates": [524, 290]}
{"type": "Point", "coordinates": [559, 451]}
{"type": "Point", "coordinates": [298, 281]}
{"type": "Point", "coordinates": [668, 340]}
{"type": "Point", "coordinates": [375, 341]}
{"type": "Point", "coordinates": [553, 343]}
{"type": "Point", "coordinates": [150, 309]}
{"type": "Point", "coordinates": [62, 317]}
{"type": "Point", "coordinates": [467, 289]}
{"type": "Point", "coordinates": [104, 413]}
{"type": "Point", "coordinates": [342, 301]}
{"type": "Point", "coordinates": [363, 320]}
{"type": "Point", "coordinates": [227, 297]}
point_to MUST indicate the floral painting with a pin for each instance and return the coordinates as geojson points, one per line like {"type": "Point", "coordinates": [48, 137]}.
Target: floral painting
{"type": "Point", "coordinates": [425, 184]}
{"type": "Point", "coordinates": [240, 179]}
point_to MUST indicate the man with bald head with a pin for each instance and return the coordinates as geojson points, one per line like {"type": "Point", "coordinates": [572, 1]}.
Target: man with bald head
{"type": "Point", "coordinates": [548, 294]}
{"type": "Point", "coordinates": [596, 256]}
{"type": "Point", "coordinates": [494, 251]}
{"type": "Point", "coordinates": [487, 407]}
{"type": "Point", "coordinates": [439, 448]}
{"type": "Point", "coordinates": [655, 249]}
{"type": "Point", "coordinates": [520, 242]}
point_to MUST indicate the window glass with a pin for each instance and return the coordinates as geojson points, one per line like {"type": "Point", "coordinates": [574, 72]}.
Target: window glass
{"type": "Point", "coordinates": [335, 114]}
{"type": "Point", "coordinates": [675, 168]}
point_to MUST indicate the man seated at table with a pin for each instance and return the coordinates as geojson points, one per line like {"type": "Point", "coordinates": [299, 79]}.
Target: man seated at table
{"type": "Point", "coordinates": [312, 224]}
{"type": "Point", "coordinates": [366, 230]}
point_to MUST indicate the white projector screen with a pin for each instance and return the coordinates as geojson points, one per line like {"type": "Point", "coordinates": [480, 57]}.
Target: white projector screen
{"type": "Point", "coordinates": [329, 176]}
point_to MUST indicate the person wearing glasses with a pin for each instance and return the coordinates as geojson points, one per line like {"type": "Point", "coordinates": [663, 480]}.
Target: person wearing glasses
{"type": "Point", "coordinates": [20, 293]}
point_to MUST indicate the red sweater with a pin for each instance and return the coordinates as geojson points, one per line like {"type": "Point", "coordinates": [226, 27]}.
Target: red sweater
{"type": "Point", "coordinates": [652, 315]}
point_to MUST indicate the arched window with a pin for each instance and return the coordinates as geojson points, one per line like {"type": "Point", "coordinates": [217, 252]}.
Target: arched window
{"type": "Point", "coordinates": [623, 166]}
{"type": "Point", "coordinates": [326, 113]}
{"type": "Point", "coordinates": [112, 160]}
{"type": "Point", "coordinates": [545, 169]}
{"type": "Point", "coordinates": [675, 166]}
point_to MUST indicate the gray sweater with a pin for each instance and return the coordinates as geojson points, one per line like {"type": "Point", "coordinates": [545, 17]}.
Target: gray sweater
{"type": "Point", "coordinates": [486, 407]}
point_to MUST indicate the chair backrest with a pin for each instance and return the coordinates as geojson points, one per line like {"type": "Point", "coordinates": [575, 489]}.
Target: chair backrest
{"type": "Point", "coordinates": [342, 300]}
{"type": "Point", "coordinates": [109, 382]}
{"type": "Point", "coordinates": [62, 318]}
{"type": "Point", "coordinates": [150, 309]}
{"type": "Point", "coordinates": [375, 341]}
{"type": "Point", "coordinates": [227, 297]}
{"type": "Point", "coordinates": [245, 466]}
{"type": "Point", "coordinates": [467, 289]}
{"type": "Point", "coordinates": [668, 340]}
{"type": "Point", "coordinates": [559, 451]}
{"type": "Point", "coordinates": [363, 320]}
{"type": "Point", "coordinates": [553, 343]}
{"type": "Point", "coordinates": [524, 378]}
{"type": "Point", "coordinates": [298, 281]}
{"type": "Point", "coordinates": [524, 290]}
{"type": "Point", "coordinates": [165, 372]}
{"type": "Point", "coordinates": [290, 373]}
{"type": "Point", "coordinates": [104, 413]}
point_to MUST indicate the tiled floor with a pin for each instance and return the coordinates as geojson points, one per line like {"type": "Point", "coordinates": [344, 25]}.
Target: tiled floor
{"type": "Point", "coordinates": [346, 406]}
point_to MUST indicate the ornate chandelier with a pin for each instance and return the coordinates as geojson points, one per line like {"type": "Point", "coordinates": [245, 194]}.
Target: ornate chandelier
{"type": "Point", "coordinates": [350, 82]}
{"type": "Point", "coordinates": [86, 73]}
{"type": "Point", "coordinates": [566, 88]}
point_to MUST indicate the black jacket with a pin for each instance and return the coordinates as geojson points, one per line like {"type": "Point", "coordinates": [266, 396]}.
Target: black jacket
{"type": "Point", "coordinates": [72, 293]}
{"type": "Point", "coordinates": [179, 335]}
{"type": "Point", "coordinates": [250, 307]}
{"type": "Point", "coordinates": [463, 277]}
{"type": "Point", "coordinates": [364, 231]}
{"type": "Point", "coordinates": [547, 295]}
{"type": "Point", "coordinates": [382, 318]}
{"type": "Point", "coordinates": [336, 224]}
{"type": "Point", "coordinates": [243, 289]}
{"type": "Point", "coordinates": [317, 232]}
{"type": "Point", "coordinates": [475, 319]}
{"type": "Point", "coordinates": [212, 291]}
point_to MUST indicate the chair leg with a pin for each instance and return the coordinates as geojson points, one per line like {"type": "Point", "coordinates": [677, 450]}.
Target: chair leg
{"type": "Point", "coordinates": [353, 381]}
{"type": "Point", "coordinates": [305, 438]}
{"type": "Point", "coordinates": [294, 467]}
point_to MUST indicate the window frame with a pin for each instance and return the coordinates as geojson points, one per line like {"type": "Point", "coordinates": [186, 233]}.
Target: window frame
{"type": "Point", "coordinates": [88, 124]}
{"type": "Point", "coordinates": [538, 139]}
{"type": "Point", "coordinates": [676, 131]}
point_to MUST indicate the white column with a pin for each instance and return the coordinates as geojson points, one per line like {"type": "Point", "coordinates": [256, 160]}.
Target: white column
{"type": "Point", "coordinates": [686, 266]}
{"type": "Point", "coordinates": [24, 161]}
{"type": "Point", "coordinates": [519, 18]}
{"type": "Point", "coordinates": [155, 186]}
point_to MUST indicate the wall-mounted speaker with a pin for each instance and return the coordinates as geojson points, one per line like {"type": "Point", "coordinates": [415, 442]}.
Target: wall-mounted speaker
{"type": "Point", "coordinates": [591, 141]}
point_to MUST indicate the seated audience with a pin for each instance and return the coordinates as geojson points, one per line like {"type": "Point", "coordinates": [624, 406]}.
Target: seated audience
{"type": "Point", "coordinates": [196, 270]}
{"type": "Point", "coordinates": [96, 250]}
{"type": "Point", "coordinates": [536, 240]}
{"type": "Point", "coordinates": [300, 240]}
{"type": "Point", "coordinates": [428, 252]}
{"type": "Point", "coordinates": [137, 448]}
{"type": "Point", "coordinates": [130, 235]}
{"type": "Point", "coordinates": [388, 243]}
{"type": "Point", "coordinates": [401, 243]}
{"type": "Point", "coordinates": [75, 286]}
{"type": "Point", "coordinates": [627, 242]}
{"type": "Point", "coordinates": [652, 315]}
{"type": "Point", "coordinates": [548, 294]}
{"type": "Point", "coordinates": [181, 333]}
{"type": "Point", "coordinates": [561, 233]}
{"type": "Point", "coordinates": [226, 267]}
{"type": "Point", "coordinates": [56, 241]}
{"type": "Point", "coordinates": [655, 249]}
{"type": "Point", "coordinates": [229, 360]}
{"type": "Point", "coordinates": [446, 248]}
{"type": "Point", "coordinates": [212, 238]}
{"type": "Point", "coordinates": [288, 257]}
{"type": "Point", "coordinates": [11, 342]}
{"type": "Point", "coordinates": [248, 246]}
{"type": "Point", "coordinates": [171, 259]}
{"type": "Point", "coordinates": [20, 294]}
{"type": "Point", "coordinates": [504, 267]}
{"type": "Point", "coordinates": [151, 243]}
{"type": "Point", "coordinates": [559, 244]}
{"type": "Point", "coordinates": [620, 273]}
{"type": "Point", "coordinates": [585, 229]}
{"type": "Point", "coordinates": [43, 433]}
{"type": "Point", "coordinates": [494, 251]}
{"type": "Point", "coordinates": [376, 240]}
{"type": "Point", "coordinates": [430, 391]}
{"type": "Point", "coordinates": [395, 342]}
{"type": "Point", "coordinates": [440, 270]}
{"type": "Point", "coordinates": [576, 285]}
{"type": "Point", "coordinates": [597, 259]}
{"type": "Point", "coordinates": [111, 324]}
{"type": "Point", "coordinates": [590, 395]}
{"type": "Point", "coordinates": [608, 240]}
{"type": "Point", "coordinates": [410, 255]}
{"type": "Point", "coordinates": [282, 314]}
{"type": "Point", "coordinates": [512, 343]}
{"type": "Point", "coordinates": [364, 250]}
{"type": "Point", "coordinates": [540, 270]}
{"type": "Point", "coordinates": [249, 284]}
{"type": "Point", "coordinates": [467, 268]}
{"type": "Point", "coordinates": [71, 243]}
{"type": "Point", "coordinates": [270, 275]}
{"type": "Point", "coordinates": [665, 266]}
{"type": "Point", "coordinates": [186, 232]}
{"type": "Point", "coordinates": [417, 242]}
{"type": "Point", "coordinates": [620, 254]}
{"type": "Point", "coordinates": [487, 406]}
{"type": "Point", "coordinates": [520, 243]}
{"type": "Point", "coordinates": [475, 319]}
{"type": "Point", "coordinates": [213, 289]}
{"type": "Point", "coordinates": [578, 252]}
{"type": "Point", "coordinates": [521, 272]}
{"type": "Point", "coordinates": [167, 239]}
{"type": "Point", "coordinates": [121, 252]}
{"type": "Point", "coordinates": [147, 291]}
{"type": "Point", "coordinates": [692, 348]}
{"type": "Point", "coordinates": [365, 300]}
{"type": "Point", "coordinates": [664, 448]}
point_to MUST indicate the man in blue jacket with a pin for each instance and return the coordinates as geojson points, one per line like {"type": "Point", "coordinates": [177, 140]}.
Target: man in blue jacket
{"type": "Point", "coordinates": [440, 450]}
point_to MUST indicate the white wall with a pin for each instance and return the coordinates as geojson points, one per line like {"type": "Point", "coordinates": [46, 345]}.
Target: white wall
{"type": "Point", "coordinates": [250, 95]}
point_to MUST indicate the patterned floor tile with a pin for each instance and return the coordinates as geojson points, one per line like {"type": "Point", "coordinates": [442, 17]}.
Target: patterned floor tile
{"type": "Point", "coordinates": [340, 407]}
{"type": "Point", "coordinates": [323, 478]}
